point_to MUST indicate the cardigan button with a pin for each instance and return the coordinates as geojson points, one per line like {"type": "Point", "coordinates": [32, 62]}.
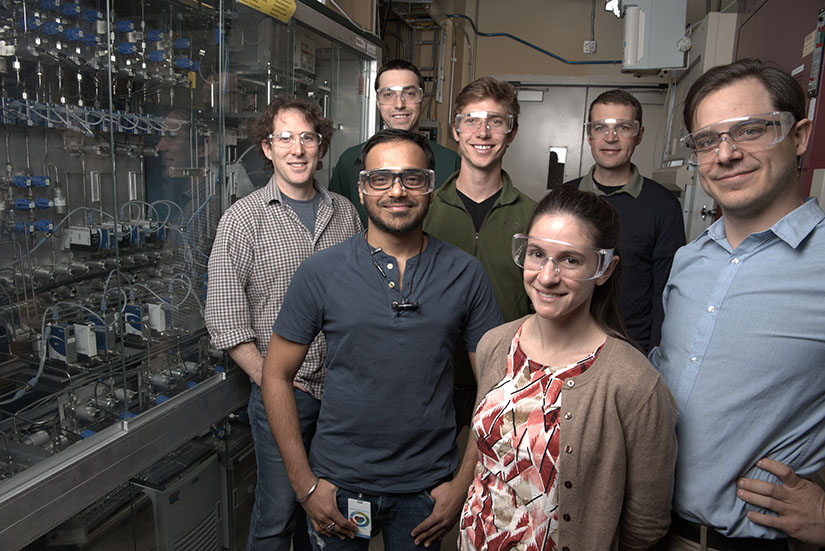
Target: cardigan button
{"type": "Point", "coordinates": [566, 517]}
{"type": "Point", "coordinates": [568, 415]}
{"type": "Point", "coordinates": [568, 449]}
{"type": "Point", "coordinates": [571, 383]}
{"type": "Point", "coordinates": [565, 548]}
{"type": "Point", "coordinates": [568, 484]}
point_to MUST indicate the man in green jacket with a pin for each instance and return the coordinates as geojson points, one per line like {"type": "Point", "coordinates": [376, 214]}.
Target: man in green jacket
{"type": "Point", "coordinates": [478, 209]}
{"type": "Point", "coordinates": [399, 87]}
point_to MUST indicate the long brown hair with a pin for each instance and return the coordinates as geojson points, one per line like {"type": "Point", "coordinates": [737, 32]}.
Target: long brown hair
{"type": "Point", "coordinates": [602, 223]}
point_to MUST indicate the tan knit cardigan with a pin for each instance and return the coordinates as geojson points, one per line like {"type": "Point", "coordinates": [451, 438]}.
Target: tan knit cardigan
{"type": "Point", "coordinates": [617, 450]}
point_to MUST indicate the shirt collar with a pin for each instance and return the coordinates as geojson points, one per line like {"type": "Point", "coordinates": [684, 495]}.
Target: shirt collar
{"type": "Point", "coordinates": [792, 228]}
{"type": "Point", "coordinates": [633, 187]}
{"type": "Point", "coordinates": [273, 193]}
{"type": "Point", "coordinates": [449, 190]}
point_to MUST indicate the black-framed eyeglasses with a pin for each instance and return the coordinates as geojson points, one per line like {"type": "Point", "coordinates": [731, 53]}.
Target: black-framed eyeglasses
{"type": "Point", "coordinates": [417, 181]}
{"type": "Point", "coordinates": [286, 139]}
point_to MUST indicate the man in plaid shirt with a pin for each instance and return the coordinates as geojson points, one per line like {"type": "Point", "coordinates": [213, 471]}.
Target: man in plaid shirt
{"type": "Point", "coordinates": [261, 241]}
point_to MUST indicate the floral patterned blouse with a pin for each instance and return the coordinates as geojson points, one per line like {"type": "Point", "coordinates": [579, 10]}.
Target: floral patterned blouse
{"type": "Point", "coordinates": [513, 501]}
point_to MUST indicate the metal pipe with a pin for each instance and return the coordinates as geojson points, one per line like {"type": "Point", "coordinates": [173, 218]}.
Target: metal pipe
{"type": "Point", "coordinates": [472, 74]}
{"type": "Point", "coordinates": [452, 83]}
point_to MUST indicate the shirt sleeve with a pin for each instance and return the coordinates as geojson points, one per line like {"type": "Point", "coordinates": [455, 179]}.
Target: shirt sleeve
{"type": "Point", "coordinates": [301, 315]}
{"type": "Point", "coordinates": [669, 238]}
{"type": "Point", "coordinates": [650, 436]}
{"type": "Point", "coordinates": [343, 177]}
{"type": "Point", "coordinates": [335, 180]}
{"type": "Point", "coordinates": [352, 214]}
{"type": "Point", "coordinates": [484, 312]}
{"type": "Point", "coordinates": [227, 314]}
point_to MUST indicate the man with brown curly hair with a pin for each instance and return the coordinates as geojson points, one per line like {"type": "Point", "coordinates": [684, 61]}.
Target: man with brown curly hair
{"type": "Point", "coordinates": [261, 241]}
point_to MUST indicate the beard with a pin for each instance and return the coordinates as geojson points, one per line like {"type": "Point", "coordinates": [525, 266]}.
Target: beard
{"type": "Point", "coordinates": [396, 224]}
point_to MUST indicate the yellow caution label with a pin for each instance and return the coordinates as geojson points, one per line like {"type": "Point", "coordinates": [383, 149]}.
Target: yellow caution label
{"type": "Point", "coordinates": [193, 79]}
{"type": "Point", "coordinates": [279, 9]}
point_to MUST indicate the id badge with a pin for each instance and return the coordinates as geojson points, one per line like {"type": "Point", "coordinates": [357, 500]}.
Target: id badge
{"type": "Point", "coordinates": [359, 513]}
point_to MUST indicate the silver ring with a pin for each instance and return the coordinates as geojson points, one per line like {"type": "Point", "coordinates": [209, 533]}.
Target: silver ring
{"type": "Point", "coordinates": [330, 525]}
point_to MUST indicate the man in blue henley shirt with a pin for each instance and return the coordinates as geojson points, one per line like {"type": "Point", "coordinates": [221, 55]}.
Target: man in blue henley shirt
{"type": "Point", "coordinates": [743, 344]}
{"type": "Point", "coordinates": [392, 302]}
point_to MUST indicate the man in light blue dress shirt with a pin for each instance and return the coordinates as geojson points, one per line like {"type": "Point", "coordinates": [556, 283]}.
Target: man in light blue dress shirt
{"type": "Point", "coordinates": [743, 341]}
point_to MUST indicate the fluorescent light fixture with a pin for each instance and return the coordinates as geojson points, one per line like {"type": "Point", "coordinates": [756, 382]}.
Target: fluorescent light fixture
{"type": "Point", "coordinates": [615, 6]}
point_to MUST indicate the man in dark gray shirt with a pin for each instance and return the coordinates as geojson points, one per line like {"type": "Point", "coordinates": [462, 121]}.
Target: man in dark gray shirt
{"type": "Point", "coordinates": [392, 303]}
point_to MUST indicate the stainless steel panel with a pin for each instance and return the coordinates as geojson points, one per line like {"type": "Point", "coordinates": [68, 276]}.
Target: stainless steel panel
{"type": "Point", "coordinates": [51, 492]}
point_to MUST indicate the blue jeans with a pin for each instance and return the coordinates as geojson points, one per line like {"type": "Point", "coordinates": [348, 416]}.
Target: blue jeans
{"type": "Point", "coordinates": [276, 517]}
{"type": "Point", "coordinates": [394, 515]}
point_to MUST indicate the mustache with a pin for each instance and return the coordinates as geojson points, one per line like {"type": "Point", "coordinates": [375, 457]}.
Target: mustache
{"type": "Point", "coordinates": [390, 202]}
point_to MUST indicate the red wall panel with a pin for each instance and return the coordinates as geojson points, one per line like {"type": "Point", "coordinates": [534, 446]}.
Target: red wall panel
{"type": "Point", "coordinates": [775, 30]}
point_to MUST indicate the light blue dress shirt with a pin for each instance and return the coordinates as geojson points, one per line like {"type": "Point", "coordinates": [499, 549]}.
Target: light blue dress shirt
{"type": "Point", "coordinates": [743, 352]}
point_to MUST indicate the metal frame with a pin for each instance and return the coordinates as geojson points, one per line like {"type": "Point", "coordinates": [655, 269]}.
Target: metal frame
{"type": "Point", "coordinates": [54, 490]}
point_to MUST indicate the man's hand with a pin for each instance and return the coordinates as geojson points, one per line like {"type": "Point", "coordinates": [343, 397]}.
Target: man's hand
{"type": "Point", "coordinates": [798, 503]}
{"type": "Point", "coordinates": [326, 518]}
{"type": "Point", "coordinates": [449, 498]}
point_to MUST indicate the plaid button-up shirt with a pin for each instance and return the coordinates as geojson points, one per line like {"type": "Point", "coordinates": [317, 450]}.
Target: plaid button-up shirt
{"type": "Point", "coordinates": [260, 243]}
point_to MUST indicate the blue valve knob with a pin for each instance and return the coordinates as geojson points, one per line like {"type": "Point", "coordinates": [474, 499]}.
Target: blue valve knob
{"type": "Point", "coordinates": [70, 9]}
{"type": "Point", "coordinates": [52, 28]}
{"type": "Point", "coordinates": [92, 16]}
{"type": "Point", "coordinates": [73, 34]}
{"type": "Point", "coordinates": [21, 181]}
{"type": "Point", "coordinates": [124, 25]}
{"type": "Point", "coordinates": [127, 48]}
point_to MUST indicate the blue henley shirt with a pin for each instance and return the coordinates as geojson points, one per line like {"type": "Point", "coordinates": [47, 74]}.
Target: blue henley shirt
{"type": "Point", "coordinates": [387, 424]}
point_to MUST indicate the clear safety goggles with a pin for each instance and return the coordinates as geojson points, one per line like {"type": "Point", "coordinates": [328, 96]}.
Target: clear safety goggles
{"type": "Point", "coordinates": [285, 140]}
{"type": "Point", "coordinates": [496, 123]}
{"type": "Point", "coordinates": [408, 94]}
{"type": "Point", "coordinates": [623, 128]}
{"type": "Point", "coordinates": [570, 261]}
{"type": "Point", "coordinates": [750, 133]}
{"type": "Point", "coordinates": [417, 181]}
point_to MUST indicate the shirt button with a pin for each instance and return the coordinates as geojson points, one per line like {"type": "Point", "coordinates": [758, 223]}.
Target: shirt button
{"type": "Point", "coordinates": [571, 383]}
{"type": "Point", "coordinates": [568, 449]}
{"type": "Point", "coordinates": [389, 265]}
{"type": "Point", "coordinates": [391, 284]}
{"type": "Point", "coordinates": [711, 309]}
{"type": "Point", "coordinates": [568, 484]}
{"type": "Point", "coordinates": [734, 261]}
{"type": "Point", "coordinates": [568, 415]}
{"type": "Point", "coordinates": [694, 360]}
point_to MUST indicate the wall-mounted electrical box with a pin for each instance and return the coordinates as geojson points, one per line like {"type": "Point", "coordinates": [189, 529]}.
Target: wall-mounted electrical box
{"type": "Point", "coordinates": [652, 31]}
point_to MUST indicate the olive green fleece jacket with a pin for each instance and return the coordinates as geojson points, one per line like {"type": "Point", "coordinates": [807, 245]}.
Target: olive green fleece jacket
{"type": "Point", "coordinates": [449, 221]}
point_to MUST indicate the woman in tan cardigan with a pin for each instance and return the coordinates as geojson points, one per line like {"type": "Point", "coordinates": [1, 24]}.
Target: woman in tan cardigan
{"type": "Point", "coordinates": [575, 429]}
